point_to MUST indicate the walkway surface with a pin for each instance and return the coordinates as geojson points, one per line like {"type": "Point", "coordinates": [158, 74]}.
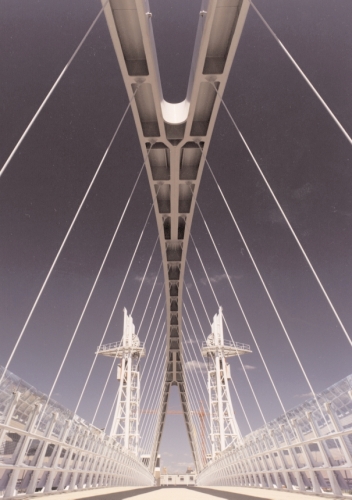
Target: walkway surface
{"type": "Point", "coordinates": [178, 493]}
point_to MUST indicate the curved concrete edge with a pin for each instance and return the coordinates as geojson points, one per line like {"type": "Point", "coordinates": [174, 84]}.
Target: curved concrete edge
{"type": "Point", "coordinates": [270, 494]}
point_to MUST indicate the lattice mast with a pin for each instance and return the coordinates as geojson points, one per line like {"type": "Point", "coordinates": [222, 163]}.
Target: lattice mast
{"type": "Point", "coordinates": [125, 426]}
{"type": "Point", "coordinates": [223, 425]}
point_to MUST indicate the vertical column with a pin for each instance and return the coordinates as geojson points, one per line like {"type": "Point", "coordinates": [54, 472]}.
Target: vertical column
{"type": "Point", "coordinates": [128, 403]}
{"type": "Point", "coordinates": [9, 413]}
{"type": "Point", "coordinates": [308, 458]}
{"type": "Point", "coordinates": [76, 467]}
{"type": "Point", "coordinates": [211, 409]}
{"type": "Point", "coordinates": [22, 448]}
{"type": "Point", "coordinates": [297, 474]}
{"type": "Point", "coordinates": [331, 475]}
{"type": "Point", "coordinates": [67, 460]}
{"type": "Point", "coordinates": [283, 462]}
{"type": "Point", "coordinates": [345, 450]}
{"type": "Point", "coordinates": [38, 462]}
{"type": "Point", "coordinates": [56, 457]}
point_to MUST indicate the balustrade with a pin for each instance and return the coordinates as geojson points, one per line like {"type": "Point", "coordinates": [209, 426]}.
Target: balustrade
{"type": "Point", "coordinates": [56, 451]}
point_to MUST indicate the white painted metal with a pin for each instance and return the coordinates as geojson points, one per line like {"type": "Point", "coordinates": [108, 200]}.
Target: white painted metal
{"type": "Point", "coordinates": [299, 451]}
{"type": "Point", "coordinates": [59, 453]}
{"type": "Point", "coordinates": [125, 426]}
{"type": "Point", "coordinates": [175, 131]}
{"type": "Point", "coordinates": [224, 431]}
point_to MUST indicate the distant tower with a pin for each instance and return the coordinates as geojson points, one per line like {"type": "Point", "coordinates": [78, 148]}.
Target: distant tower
{"type": "Point", "coordinates": [125, 424]}
{"type": "Point", "coordinates": [224, 428]}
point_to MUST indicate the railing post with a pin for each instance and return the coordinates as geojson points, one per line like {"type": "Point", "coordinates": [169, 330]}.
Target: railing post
{"type": "Point", "coordinates": [265, 438]}
{"type": "Point", "coordinates": [76, 464]}
{"type": "Point", "coordinates": [9, 413]}
{"type": "Point", "coordinates": [254, 464]}
{"type": "Point", "coordinates": [332, 478]}
{"type": "Point", "coordinates": [308, 458]}
{"type": "Point", "coordinates": [101, 463]}
{"type": "Point", "coordinates": [38, 461]}
{"type": "Point", "coordinates": [246, 450]}
{"type": "Point", "coordinates": [66, 462]}
{"type": "Point", "coordinates": [114, 465]}
{"type": "Point", "coordinates": [297, 474]}
{"type": "Point", "coordinates": [321, 446]}
{"type": "Point", "coordinates": [91, 475]}
{"type": "Point", "coordinates": [56, 458]}
{"type": "Point", "coordinates": [85, 466]}
{"type": "Point", "coordinates": [283, 462]}
{"type": "Point", "coordinates": [109, 462]}
{"type": "Point", "coordinates": [346, 452]}
{"type": "Point", "coordinates": [265, 464]}
{"type": "Point", "coordinates": [22, 448]}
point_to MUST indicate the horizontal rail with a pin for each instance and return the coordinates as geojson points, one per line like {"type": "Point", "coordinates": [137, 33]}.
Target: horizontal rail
{"type": "Point", "coordinates": [303, 461]}
{"type": "Point", "coordinates": [62, 455]}
{"type": "Point", "coordinates": [228, 343]}
{"type": "Point", "coordinates": [118, 345]}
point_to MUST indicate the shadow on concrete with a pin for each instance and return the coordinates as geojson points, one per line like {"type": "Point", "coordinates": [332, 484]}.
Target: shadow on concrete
{"type": "Point", "coordinates": [226, 494]}
{"type": "Point", "coordinates": [121, 495]}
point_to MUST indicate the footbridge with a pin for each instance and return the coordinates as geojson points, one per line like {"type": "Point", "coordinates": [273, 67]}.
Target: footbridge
{"type": "Point", "coordinates": [46, 448]}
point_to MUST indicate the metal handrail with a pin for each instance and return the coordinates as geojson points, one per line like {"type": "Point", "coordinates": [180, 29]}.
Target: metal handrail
{"type": "Point", "coordinates": [80, 457]}
{"type": "Point", "coordinates": [228, 343]}
{"type": "Point", "coordinates": [270, 459]}
{"type": "Point", "coordinates": [117, 345]}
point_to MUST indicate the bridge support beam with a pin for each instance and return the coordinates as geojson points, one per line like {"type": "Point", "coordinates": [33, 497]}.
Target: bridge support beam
{"type": "Point", "coordinates": [171, 136]}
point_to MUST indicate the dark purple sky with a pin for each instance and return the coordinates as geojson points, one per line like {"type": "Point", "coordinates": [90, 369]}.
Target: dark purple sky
{"type": "Point", "coordinates": [305, 157]}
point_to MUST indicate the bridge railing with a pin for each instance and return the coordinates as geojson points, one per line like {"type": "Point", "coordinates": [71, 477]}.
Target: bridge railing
{"type": "Point", "coordinates": [55, 450]}
{"type": "Point", "coordinates": [230, 343]}
{"type": "Point", "coordinates": [307, 450]}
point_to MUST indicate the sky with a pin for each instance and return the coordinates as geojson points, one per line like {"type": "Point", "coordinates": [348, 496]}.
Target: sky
{"type": "Point", "coordinates": [302, 152]}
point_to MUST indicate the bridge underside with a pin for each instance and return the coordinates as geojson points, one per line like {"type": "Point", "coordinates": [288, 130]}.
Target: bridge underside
{"type": "Point", "coordinates": [175, 135]}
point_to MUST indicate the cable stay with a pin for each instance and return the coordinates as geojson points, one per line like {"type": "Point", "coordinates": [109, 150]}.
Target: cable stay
{"type": "Point", "coordinates": [63, 244]}
{"type": "Point", "coordinates": [218, 304]}
{"type": "Point", "coordinates": [147, 305]}
{"type": "Point", "coordinates": [155, 350]}
{"type": "Point", "coordinates": [116, 301]}
{"type": "Point", "coordinates": [255, 341]}
{"type": "Point", "coordinates": [151, 415]}
{"type": "Point", "coordinates": [105, 331]}
{"type": "Point", "coordinates": [151, 322]}
{"type": "Point", "coordinates": [195, 337]}
{"type": "Point", "coordinates": [98, 276]}
{"type": "Point", "coordinates": [113, 363]}
{"type": "Point", "coordinates": [201, 299]}
{"type": "Point", "coordinates": [150, 436]}
{"type": "Point", "coordinates": [153, 385]}
{"type": "Point", "coordinates": [196, 425]}
{"type": "Point", "coordinates": [201, 410]}
{"type": "Point", "coordinates": [244, 315]}
{"type": "Point", "coordinates": [203, 395]}
{"type": "Point", "coordinates": [288, 224]}
{"type": "Point", "coordinates": [266, 290]}
{"type": "Point", "coordinates": [333, 116]}
{"type": "Point", "coordinates": [29, 126]}
{"type": "Point", "coordinates": [104, 388]}
{"type": "Point", "coordinates": [144, 275]}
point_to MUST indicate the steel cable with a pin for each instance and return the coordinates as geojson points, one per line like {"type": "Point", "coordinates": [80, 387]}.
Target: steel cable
{"type": "Point", "coordinates": [64, 241]}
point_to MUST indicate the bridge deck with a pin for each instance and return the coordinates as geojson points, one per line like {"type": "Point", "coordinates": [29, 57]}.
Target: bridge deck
{"type": "Point", "coordinates": [177, 492]}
